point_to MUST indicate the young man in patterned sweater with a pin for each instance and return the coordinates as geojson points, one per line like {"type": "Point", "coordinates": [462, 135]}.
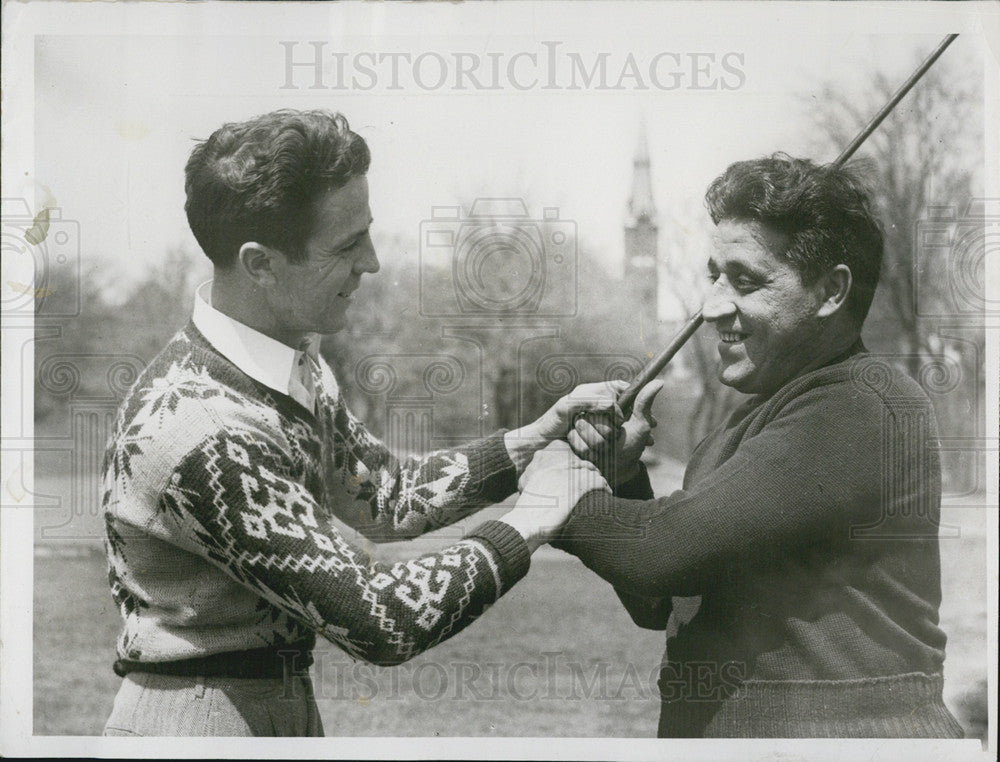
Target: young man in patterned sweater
{"type": "Point", "coordinates": [234, 452]}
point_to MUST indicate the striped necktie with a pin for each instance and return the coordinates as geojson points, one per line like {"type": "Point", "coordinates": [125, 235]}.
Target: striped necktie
{"type": "Point", "coordinates": [302, 383]}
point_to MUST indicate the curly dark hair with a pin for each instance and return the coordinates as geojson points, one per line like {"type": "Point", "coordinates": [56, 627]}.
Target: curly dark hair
{"type": "Point", "coordinates": [827, 213]}
{"type": "Point", "coordinates": [259, 180]}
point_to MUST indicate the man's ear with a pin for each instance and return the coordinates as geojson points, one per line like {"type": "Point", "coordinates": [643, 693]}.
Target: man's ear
{"type": "Point", "coordinates": [834, 287]}
{"type": "Point", "coordinates": [258, 262]}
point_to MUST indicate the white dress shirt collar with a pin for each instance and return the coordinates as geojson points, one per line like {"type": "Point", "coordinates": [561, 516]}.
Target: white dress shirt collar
{"type": "Point", "coordinates": [262, 358]}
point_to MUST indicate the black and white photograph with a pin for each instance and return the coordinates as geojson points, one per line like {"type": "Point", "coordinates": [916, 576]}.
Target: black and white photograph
{"type": "Point", "coordinates": [500, 380]}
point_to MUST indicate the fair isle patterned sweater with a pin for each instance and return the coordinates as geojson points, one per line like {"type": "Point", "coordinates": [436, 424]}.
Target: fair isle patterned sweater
{"type": "Point", "coordinates": [219, 499]}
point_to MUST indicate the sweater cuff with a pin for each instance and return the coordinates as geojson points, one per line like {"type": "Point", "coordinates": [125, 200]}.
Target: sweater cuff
{"type": "Point", "coordinates": [509, 549]}
{"type": "Point", "coordinates": [490, 466]}
{"type": "Point", "coordinates": [599, 520]}
{"type": "Point", "coordinates": [636, 488]}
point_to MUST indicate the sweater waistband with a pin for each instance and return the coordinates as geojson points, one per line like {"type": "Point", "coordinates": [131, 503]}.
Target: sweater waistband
{"type": "Point", "coordinates": [266, 662]}
{"type": "Point", "coordinates": [897, 706]}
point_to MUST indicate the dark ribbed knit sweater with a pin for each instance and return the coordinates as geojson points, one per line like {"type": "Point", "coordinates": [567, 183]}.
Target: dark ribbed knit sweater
{"type": "Point", "coordinates": [807, 524]}
{"type": "Point", "coordinates": [220, 496]}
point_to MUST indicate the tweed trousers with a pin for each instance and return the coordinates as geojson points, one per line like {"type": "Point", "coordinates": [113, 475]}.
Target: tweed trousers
{"type": "Point", "coordinates": [165, 705]}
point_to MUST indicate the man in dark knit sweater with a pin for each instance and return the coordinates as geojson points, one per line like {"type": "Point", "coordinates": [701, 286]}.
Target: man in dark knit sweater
{"type": "Point", "coordinates": [804, 539]}
{"type": "Point", "coordinates": [235, 467]}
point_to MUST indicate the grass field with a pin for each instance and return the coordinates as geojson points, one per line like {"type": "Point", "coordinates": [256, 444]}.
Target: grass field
{"type": "Point", "coordinates": [558, 656]}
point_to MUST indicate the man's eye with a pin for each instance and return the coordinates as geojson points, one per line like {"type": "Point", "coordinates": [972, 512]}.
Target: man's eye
{"type": "Point", "coordinates": [745, 285]}
{"type": "Point", "coordinates": [353, 245]}
{"type": "Point", "coordinates": [712, 277]}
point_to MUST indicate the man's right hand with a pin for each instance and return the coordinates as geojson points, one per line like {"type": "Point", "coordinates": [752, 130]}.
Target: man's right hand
{"type": "Point", "coordinates": [596, 398]}
{"type": "Point", "coordinates": [617, 456]}
{"type": "Point", "coordinates": [551, 485]}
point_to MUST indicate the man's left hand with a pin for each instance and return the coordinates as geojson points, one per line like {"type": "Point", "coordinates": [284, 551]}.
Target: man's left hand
{"type": "Point", "coordinates": [597, 399]}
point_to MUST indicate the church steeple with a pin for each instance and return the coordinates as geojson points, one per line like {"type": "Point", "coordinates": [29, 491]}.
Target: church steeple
{"type": "Point", "coordinates": [640, 203]}
{"type": "Point", "coordinates": [641, 234]}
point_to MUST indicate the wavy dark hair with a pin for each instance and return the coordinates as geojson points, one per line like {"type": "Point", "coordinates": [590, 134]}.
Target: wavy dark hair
{"type": "Point", "coordinates": [259, 180]}
{"type": "Point", "coordinates": [827, 213]}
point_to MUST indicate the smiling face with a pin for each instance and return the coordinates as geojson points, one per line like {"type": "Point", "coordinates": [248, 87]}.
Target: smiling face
{"type": "Point", "coordinates": [312, 296]}
{"type": "Point", "coordinates": [769, 323]}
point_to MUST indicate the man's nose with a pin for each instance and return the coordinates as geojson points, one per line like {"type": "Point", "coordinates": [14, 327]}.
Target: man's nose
{"type": "Point", "coordinates": [719, 304]}
{"type": "Point", "coordinates": [369, 262]}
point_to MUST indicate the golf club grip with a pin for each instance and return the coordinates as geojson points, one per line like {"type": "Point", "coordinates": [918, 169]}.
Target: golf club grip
{"type": "Point", "coordinates": [627, 398]}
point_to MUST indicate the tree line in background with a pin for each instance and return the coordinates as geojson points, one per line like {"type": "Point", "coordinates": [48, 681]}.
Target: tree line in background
{"type": "Point", "coordinates": [442, 379]}
{"type": "Point", "coordinates": [424, 381]}
{"type": "Point", "coordinates": [927, 162]}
